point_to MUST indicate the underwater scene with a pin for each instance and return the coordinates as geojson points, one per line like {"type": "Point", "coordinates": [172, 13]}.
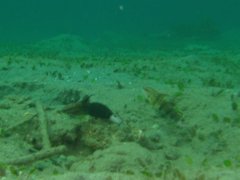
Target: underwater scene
{"type": "Point", "coordinates": [120, 90]}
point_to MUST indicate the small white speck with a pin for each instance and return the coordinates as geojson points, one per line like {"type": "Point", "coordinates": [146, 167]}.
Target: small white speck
{"type": "Point", "coordinates": [121, 7]}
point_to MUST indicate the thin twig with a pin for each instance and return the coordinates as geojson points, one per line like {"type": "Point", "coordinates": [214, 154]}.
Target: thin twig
{"type": "Point", "coordinates": [43, 154]}
{"type": "Point", "coordinates": [43, 126]}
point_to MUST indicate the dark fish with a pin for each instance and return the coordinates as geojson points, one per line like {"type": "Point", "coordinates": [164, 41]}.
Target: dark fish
{"type": "Point", "coordinates": [98, 110]}
{"type": "Point", "coordinates": [95, 109]}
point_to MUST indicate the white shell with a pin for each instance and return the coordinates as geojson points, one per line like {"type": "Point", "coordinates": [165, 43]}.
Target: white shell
{"type": "Point", "coordinates": [115, 119]}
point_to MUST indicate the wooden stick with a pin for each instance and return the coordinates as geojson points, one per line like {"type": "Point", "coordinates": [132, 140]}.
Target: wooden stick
{"type": "Point", "coordinates": [43, 124]}
{"type": "Point", "coordinates": [43, 154]}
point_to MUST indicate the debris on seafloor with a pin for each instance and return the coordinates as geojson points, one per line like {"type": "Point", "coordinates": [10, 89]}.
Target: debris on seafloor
{"type": "Point", "coordinates": [94, 109]}
{"type": "Point", "coordinates": [47, 150]}
{"type": "Point", "coordinates": [165, 104]}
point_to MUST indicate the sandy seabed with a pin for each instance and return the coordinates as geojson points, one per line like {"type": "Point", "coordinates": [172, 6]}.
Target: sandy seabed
{"type": "Point", "coordinates": [201, 82]}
